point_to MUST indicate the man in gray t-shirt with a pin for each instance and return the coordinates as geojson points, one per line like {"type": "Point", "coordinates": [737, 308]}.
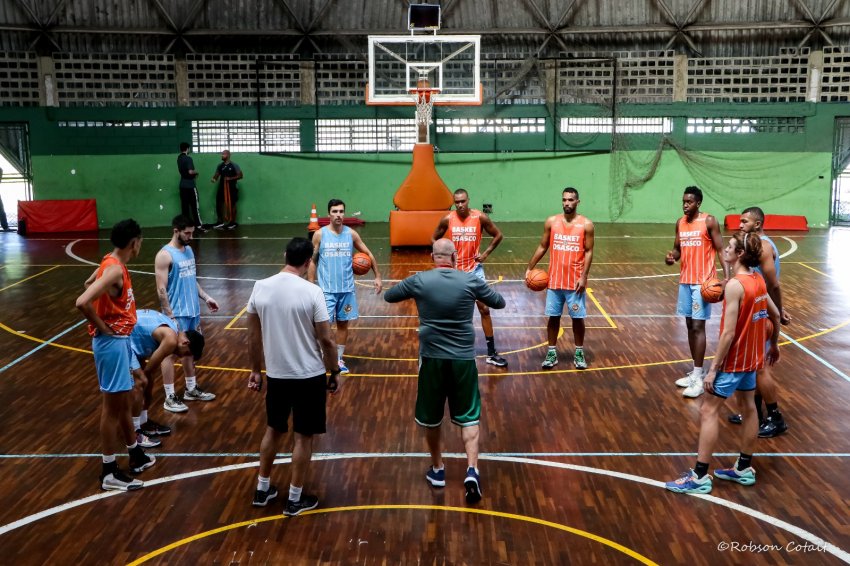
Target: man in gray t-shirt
{"type": "Point", "coordinates": [446, 298]}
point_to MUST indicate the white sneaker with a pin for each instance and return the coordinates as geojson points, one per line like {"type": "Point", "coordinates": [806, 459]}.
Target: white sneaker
{"type": "Point", "coordinates": [685, 381]}
{"type": "Point", "coordinates": [197, 394]}
{"type": "Point", "coordinates": [174, 404]}
{"type": "Point", "coordinates": [694, 390]}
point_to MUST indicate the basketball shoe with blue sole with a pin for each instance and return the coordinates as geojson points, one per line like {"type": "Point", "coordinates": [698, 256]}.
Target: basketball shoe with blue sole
{"type": "Point", "coordinates": [690, 483]}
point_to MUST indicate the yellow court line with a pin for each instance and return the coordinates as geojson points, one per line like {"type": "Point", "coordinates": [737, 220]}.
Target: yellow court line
{"type": "Point", "coordinates": [525, 518]}
{"type": "Point", "coordinates": [28, 278]}
{"type": "Point", "coordinates": [815, 270]}
{"type": "Point", "coordinates": [235, 318]}
{"type": "Point", "coordinates": [598, 306]}
{"type": "Point", "coordinates": [523, 373]}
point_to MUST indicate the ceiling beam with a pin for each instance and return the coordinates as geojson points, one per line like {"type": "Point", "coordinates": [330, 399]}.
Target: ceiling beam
{"type": "Point", "coordinates": [163, 13]}
{"type": "Point", "coordinates": [292, 15]}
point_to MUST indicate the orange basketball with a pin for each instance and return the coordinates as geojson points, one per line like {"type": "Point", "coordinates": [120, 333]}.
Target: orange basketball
{"type": "Point", "coordinates": [361, 264]}
{"type": "Point", "coordinates": [712, 290]}
{"type": "Point", "coordinates": [537, 280]}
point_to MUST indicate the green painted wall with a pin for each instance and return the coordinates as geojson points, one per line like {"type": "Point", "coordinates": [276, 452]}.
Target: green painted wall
{"type": "Point", "coordinates": [521, 187]}
{"type": "Point", "coordinates": [132, 171]}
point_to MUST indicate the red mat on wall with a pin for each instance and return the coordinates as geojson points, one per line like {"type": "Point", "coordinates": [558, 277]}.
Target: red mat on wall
{"type": "Point", "coordinates": [772, 222]}
{"type": "Point", "coordinates": [43, 216]}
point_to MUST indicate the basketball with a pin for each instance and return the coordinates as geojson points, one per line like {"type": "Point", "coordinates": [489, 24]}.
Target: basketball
{"type": "Point", "coordinates": [361, 264]}
{"type": "Point", "coordinates": [712, 290]}
{"type": "Point", "coordinates": [537, 280]}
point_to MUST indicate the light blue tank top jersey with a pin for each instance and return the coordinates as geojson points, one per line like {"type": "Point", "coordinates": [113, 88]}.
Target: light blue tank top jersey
{"type": "Point", "coordinates": [141, 338]}
{"type": "Point", "coordinates": [334, 271]}
{"type": "Point", "coordinates": [182, 285]}
{"type": "Point", "coordinates": [775, 256]}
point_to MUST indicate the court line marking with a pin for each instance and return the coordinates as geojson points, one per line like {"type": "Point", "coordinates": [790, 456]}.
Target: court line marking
{"type": "Point", "coordinates": [235, 318]}
{"type": "Point", "coordinates": [773, 521]}
{"type": "Point", "coordinates": [486, 512]}
{"type": "Point", "coordinates": [791, 250]}
{"type": "Point", "coordinates": [819, 359]}
{"type": "Point", "coordinates": [601, 310]}
{"type": "Point", "coordinates": [399, 375]}
{"type": "Point", "coordinates": [40, 346]}
{"type": "Point", "coordinates": [69, 250]}
{"type": "Point", "coordinates": [815, 270]}
{"type": "Point", "coordinates": [28, 278]}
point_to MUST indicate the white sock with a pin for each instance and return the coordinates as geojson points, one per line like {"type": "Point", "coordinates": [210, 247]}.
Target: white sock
{"type": "Point", "coordinates": [553, 348]}
{"type": "Point", "coordinates": [137, 422]}
{"type": "Point", "coordinates": [169, 389]}
{"type": "Point", "coordinates": [132, 446]}
{"type": "Point", "coordinates": [143, 418]}
{"type": "Point", "coordinates": [697, 371]}
{"type": "Point", "coordinates": [108, 459]}
{"type": "Point", "coordinates": [190, 382]}
{"type": "Point", "coordinates": [436, 469]}
{"type": "Point", "coordinates": [294, 493]}
{"type": "Point", "coordinates": [340, 350]}
{"type": "Point", "coordinates": [262, 483]}
{"type": "Point", "coordinates": [579, 348]}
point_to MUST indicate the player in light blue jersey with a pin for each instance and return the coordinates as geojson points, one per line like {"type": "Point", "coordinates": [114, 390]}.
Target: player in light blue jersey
{"type": "Point", "coordinates": [773, 424]}
{"type": "Point", "coordinates": [155, 338]}
{"type": "Point", "coordinates": [334, 246]}
{"type": "Point", "coordinates": [178, 290]}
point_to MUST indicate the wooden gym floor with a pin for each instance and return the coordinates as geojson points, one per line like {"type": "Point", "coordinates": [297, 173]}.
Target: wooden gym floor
{"type": "Point", "coordinates": [572, 462]}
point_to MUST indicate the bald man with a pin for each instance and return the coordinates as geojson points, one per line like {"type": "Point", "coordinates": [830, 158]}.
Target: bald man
{"type": "Point", "coordinates": [445, 298]}
{"type": "Point", "coordinates": [226, 174]}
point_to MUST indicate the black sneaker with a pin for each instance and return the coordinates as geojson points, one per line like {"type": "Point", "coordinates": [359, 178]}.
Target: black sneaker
{"type": "Point", "coordinates": [497, 361]}
{"type": "Point", "coordinates": [220, 226]}
{"type": "Point", "coordinates": [735, 419]}
{"type": "Point", "coordinates": [201, 229]}
{"type": "Point", "coordinates": [306, 503]}
{"type": "Point", "coordinates": [772, 426]}
{"type": "Point", "coordinates": [153, 428]}
{"type": "Point", "coordinates": [263, 497]}
{"type": "Point", "coordinates": [231, 226]}
{"type": "Point", "coordinates": [139, 461]}
{"type": "Point", "coordinates": [473, 486]}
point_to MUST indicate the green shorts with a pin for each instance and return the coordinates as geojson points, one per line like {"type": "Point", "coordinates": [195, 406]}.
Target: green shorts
{"type": "Point", "coordinates": [455, 380]}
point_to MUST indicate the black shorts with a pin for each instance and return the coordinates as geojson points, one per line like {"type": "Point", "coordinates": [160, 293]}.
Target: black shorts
{"type": "Point", "coordinates": [304, 398]}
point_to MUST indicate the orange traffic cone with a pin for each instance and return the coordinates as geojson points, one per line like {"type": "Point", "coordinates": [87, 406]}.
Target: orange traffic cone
{"type": "Point", "coordinates": [314, 220]}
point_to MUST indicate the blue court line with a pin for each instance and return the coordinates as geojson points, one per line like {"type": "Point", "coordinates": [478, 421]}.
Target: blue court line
{"type": "Point", "coordinates": [837, 371]}
{"type": "Point", "coordinates": [448, 454]}
{"type": "Point", "coordinates": [40, 346]}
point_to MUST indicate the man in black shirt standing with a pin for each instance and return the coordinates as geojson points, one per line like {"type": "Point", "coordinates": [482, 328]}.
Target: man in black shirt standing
{"type": "Point", "coordinates": [188, 190]}
{"type": "Point", "coordinates": [227, 173]}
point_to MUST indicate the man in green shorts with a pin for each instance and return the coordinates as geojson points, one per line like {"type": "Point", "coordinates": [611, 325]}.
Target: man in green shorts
{"type": "Point", "coordinates": [445, 298]}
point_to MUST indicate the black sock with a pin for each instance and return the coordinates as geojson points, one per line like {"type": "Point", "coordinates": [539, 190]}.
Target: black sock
{"type": "Point", "coordinates": [759, 412]}
{"type": "Point", "coordinates": [491, 345]}
{"type": "Point", "coordinates": [701, 469]}
{"type": "Point", "coordinates": [744, 461]}
{"type": "Point", "coordinates": [772, 409]}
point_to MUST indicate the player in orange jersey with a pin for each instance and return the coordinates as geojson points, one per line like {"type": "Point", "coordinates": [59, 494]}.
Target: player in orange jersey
{"type": "Point", "coordinates": [570, 238]}
{"type": "Point", "coordinates": [740, 354]}
{"type": "Point", "coordinates": [696, 244]}
{"type": "Point", "coordinates": [464, 226]}
{"type": "Point", "coordinates": [109, 305]}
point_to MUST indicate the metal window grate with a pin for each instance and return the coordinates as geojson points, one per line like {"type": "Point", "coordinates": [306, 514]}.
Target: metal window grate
{"type": "Point", "coordinates": [377, 134]}
{"type": "Point", "coordinates": [625, 125]}
{"type": "Point", "coordinates": [491, 125]}
{"type": "Point", "coordinates": [212, 136]}
{"type": "Point", "coordinates": [780, 125]}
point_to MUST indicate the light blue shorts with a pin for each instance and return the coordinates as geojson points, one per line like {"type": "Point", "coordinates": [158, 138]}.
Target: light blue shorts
{"type": "Point", "coordinates": [691, 304]}
{"type": "Point", "coordinates": [557, 298]}
{"type": "Point", "coordinates": [725, 384]}
{"type": "Point", "coordinates": [479, 272]}
{"type": "Point", "coordinates": [186, 323]}
{"type": "Point", "coordinates": [115, 362]}
{"type": "Point", "coordinates": [341, 306]}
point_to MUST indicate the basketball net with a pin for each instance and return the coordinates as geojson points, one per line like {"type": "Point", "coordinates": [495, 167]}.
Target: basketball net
{"type": "Point", "coordinates": [424, 108]}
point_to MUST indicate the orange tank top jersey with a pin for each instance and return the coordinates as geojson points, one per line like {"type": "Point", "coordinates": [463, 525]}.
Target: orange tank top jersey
{"type": "Point", "coordinates": [566, 253]}
{"type": "Point", "coordinates": [747, 350]}
{"type": "Point", "coordinates": [698, 253]}
{"type": "Point", "coordinates": [119, 313]}
{"type": "Point", "coordinates": [466, 235]}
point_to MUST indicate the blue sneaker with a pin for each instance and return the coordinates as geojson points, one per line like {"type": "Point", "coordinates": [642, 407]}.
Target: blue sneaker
{"type": "Point", "coordinates": [437, 478]}
{"type": "Point", "coordinates": [689, 483]}
{"type": "Point", "coordinates": [343, 369]}
{"type": "Point", "coordinates": [472, 484]}
{"type": "Point", "coordinates": [746, 476]}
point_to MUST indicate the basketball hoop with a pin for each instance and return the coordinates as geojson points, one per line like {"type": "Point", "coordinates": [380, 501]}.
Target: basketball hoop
{"type": "Point", "coordinates": [424, 97]}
